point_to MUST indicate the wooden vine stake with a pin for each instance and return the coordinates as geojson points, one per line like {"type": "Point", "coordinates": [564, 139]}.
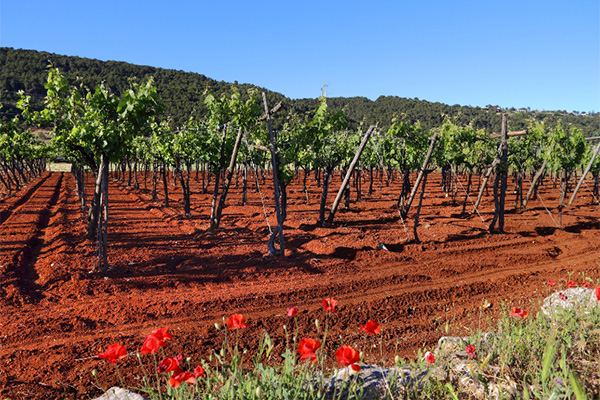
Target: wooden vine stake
{"type": "Point", "coordinates": [485, 181]}
{"type": "Point", "coordinates": [216, 220]}
{"type": "Point", "coordinates": [537, 176]}
{"type": "Point", "coordinates": [494, 165]}
{"type": "Point", "coordinates": [279, 230]}
{"type": "Point", "coordinates": [587, 169]}
{"type": "Point", "coordinates": [426, 173]}
{"type": "Point", "coordinates": [340, 193]}
{"type": "Point", "coordinates": [213, 207]}
{"type": "Point", "coordinates": [413, 193]}
{"type": "Point", "coordinates": [102, 235]}
{"type": "Point", "coordinates": [501, 179]}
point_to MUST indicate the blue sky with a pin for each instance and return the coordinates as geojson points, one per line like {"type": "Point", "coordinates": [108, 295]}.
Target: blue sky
{"type": "Point", "coordinates": [541, 54]}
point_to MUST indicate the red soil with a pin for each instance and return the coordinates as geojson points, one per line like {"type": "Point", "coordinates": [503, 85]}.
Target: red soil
{"type": "Point", "coordinates": [170, 272]}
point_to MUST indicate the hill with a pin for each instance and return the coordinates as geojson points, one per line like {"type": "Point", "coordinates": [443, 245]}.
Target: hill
{"type": "Point", "coordinates": [182, 93]}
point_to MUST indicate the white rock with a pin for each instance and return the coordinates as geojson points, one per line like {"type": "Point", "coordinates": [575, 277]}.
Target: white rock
{"type": "Point", "coordinates": [579, 300]}
{"type": "Point", "coordinates": [117, 393]}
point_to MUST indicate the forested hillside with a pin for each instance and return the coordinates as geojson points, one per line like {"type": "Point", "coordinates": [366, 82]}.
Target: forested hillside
{"type": "Point", "coordinates": [182, 93]}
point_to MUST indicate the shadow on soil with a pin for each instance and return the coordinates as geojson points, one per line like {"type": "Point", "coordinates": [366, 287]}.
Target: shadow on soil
{"type": "Point", "coordinates": [591, 224]}
{"type": "Point", "coordinates": [176, 262]}
{"type": "Point", "coordinates": [6, 213]}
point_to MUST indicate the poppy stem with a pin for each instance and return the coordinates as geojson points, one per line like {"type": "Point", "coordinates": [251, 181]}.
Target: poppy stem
{"type": "Point", "coordinates": [146, 379]}
{"type": "Point", "coordinates": [119, 375]}
{"type": "Point", "coordinates": [236, 359]}
{"type": "Point", "coordinates": [295, 338]}
{"type": "Point", "coordinates": [157, 376]}
{"type": "Point", "coordinates": [287, 338]}
{"type": "Point", "coordinates": [98, 381]}
{"type": "Point", "coordinates": [325, 330]}
{"type": "Point", "coordinates": [370, 352]}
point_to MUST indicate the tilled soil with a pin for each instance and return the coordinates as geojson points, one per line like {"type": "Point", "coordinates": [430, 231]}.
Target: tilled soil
{"type": "Point", "coordinates": [170, 271]}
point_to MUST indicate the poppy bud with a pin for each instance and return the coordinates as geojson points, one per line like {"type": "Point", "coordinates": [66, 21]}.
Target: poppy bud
{"type": "Point", "coordinates": [188, 359]}
{"type": "Point", "coordinates": [95, 372]}
{"type": "Point", "coordinates": [217, 326]}
{"type": "Point", "coordinates": [317, 324]}
{"type": "Point", "coordinates": [397, 360]}
{"type": "Point", "coordinates": [258, 392]}
{"type": "Point", "coordinates": [222, 352]}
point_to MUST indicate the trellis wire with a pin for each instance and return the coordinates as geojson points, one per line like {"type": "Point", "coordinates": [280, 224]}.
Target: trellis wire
{"type": "Point", "coordinates": [591, 191]}
{"type": "Point", "coordinates": [262, 200]}
{"type": "Point", "coordinates": [469, 198]}
{"type": "Point", "coordinates": [263, 204]}
{"type": "Point", "coordinates": [404, 225]}
{"type": "Point", "coordinates": [538, 195]}
{"type": "Point", "coordinates": [264, 208]}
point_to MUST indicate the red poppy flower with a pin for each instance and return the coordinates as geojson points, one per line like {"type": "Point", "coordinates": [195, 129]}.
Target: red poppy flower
{"type": "Point", "coordinates": [151, 345]}
{"type": "Point", "coordinates": [170, 364]}
{"type": "Point", "coordinates": [292, 311]}
{"type": "Point", "coordinates": [236, 321]}
{"type": "Point", "coordinates": [156, 340]}
{"type": "Point", "coordinates": [180, 376]}
{"type": "Point", "coordinates": [162, 334]}
{"type": "Point", "coordinates": [550, 282]}
{"type": "Point", "coordinates": [371, 327]}
{"type": "Point", "coordinates": [470, 350]}
{"type": "Point", "coordinates": [199, 372]}
{"type": "Point", "coordinates": [571, 284]}
{"type": "Point", "coordinates": [562, 296]}
{"type": "Point", "coordinates": [430, 357]}
{"type": "Point", "coordinates": [307, 348]}
{"type": "Point", "coordinates": [598, 292]}
{"type": "Point", "coordinates": [586, 284]}
{"type": "Point", "coordinates": [348, 356]}
{"type": "Point", "coordinates": [329, 305]}
{"type": "Point", "coordinates": [114, 353]}
{"type": "Point", "coordinates": [517, 312]}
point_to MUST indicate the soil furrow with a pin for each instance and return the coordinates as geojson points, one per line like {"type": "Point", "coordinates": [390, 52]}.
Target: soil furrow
{"type": "Point", "coordinates": [11, 207]}
{"type": "Point", "coordinates": [33, 217]}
